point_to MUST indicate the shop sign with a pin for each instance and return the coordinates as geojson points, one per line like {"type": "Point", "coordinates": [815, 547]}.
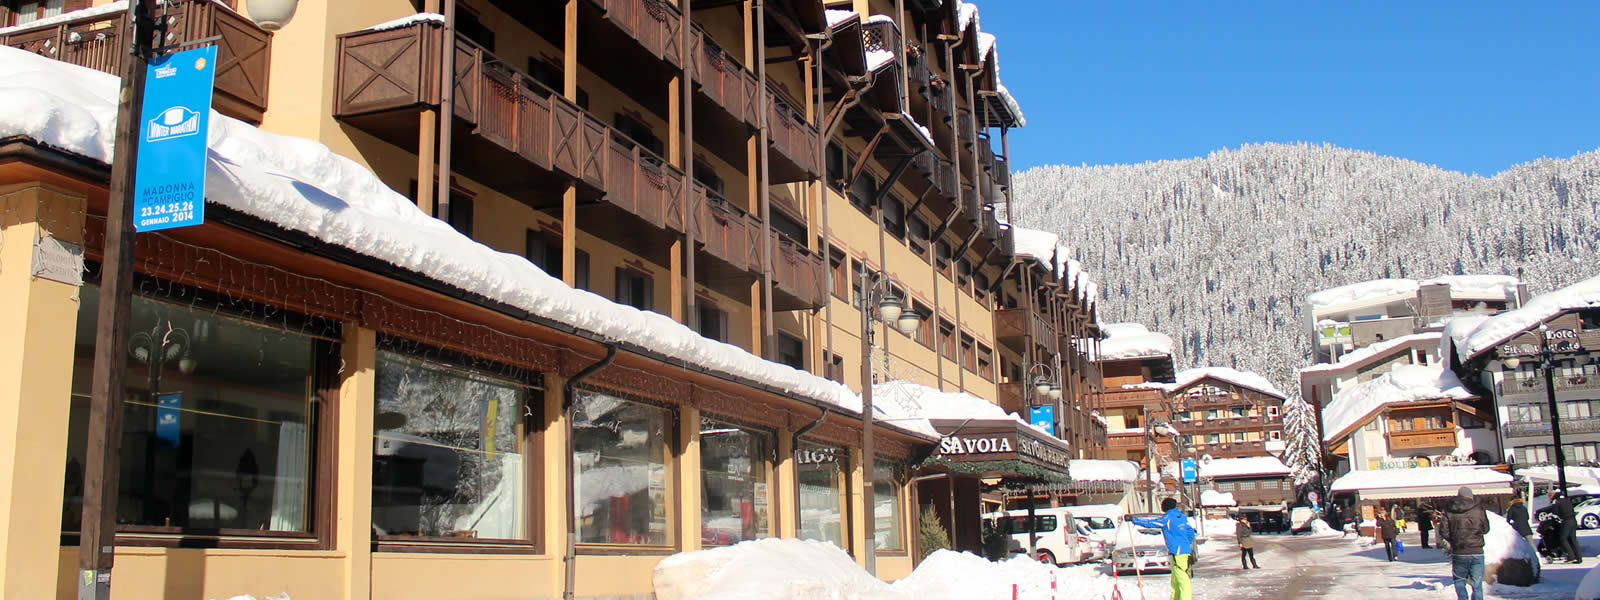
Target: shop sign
{"type": "Point", "coordinates": [1043, 453]}
{"type": "Point", "coordinates": [1422, 462]}
{"type": "Point", "coordinates": [958, 445]}
{"type": "Point", "coordinates": [816, 456]}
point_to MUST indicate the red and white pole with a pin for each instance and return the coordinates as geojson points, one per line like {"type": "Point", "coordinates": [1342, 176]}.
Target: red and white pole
{"type": "Point", "coordinates": [1052, 585]}
{"type": "Point", "coordinates": [1013, 591]}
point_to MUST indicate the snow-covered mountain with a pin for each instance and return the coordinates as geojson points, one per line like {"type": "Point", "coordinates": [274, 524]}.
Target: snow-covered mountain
{"type": "Point", "coordinates": [1220, 252]}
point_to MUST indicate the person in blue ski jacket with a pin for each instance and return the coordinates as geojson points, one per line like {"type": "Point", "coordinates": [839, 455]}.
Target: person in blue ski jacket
{"type": "Point", "coordinates": [1179, 536]}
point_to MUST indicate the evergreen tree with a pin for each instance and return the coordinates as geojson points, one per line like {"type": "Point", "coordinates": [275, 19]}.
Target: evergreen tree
{"type": "Point", "coordinates": [1302, 448]}
{"type": "Point", "coordinates": [931, 536]}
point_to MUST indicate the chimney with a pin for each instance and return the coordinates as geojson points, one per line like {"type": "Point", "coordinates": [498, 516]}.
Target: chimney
{"type": "Point", "coordinates": [1435, 302]}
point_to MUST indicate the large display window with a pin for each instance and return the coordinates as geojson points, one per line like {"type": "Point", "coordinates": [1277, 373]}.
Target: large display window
{"type": "Point", "coordinates": [620, 468]}
{"type": "Point", "coordinates": [822, 487]}
{"type": "Point", "coordinates": [734, 474]}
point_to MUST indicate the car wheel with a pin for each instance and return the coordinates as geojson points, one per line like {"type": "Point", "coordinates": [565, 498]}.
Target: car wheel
{"type": "Point", "coordinates": [1590, 521]}
{"type": "Point", "coordinates": [1047, 558]}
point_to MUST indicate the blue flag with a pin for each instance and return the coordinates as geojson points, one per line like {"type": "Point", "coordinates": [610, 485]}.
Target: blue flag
{"type": "Point", "coordinates": [170, 178]}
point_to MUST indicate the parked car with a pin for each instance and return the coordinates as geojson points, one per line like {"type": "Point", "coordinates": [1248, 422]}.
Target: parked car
{"type": "Point", "coordinates": [1588, 514]}
{"type": "Point", "coordinates": [1057, 537]}
{"type": "Point", "coordinates": [1141, 549]}
{"type": "Point", "coordinates": [1579, 498]}
{"type": "Point", "coordinates": [1096, 547]}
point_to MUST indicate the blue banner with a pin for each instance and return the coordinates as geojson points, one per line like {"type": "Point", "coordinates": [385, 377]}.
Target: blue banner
{"type": "Point", "coordinates": [1043, 416]}
{"type": "Point", "coordinates": [1189, 472]}
{"type": "Point", "coordinates": [170, 177]}
{"type": "Point", "coordinates": [169, 410]}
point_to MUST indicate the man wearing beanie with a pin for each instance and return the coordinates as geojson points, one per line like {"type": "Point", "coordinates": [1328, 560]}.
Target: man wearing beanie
{"type": "Point", "coordinates": [1463, 528]}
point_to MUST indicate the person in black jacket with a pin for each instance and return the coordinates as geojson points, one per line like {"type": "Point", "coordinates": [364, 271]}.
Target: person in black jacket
{"type": "Point", "coordinates": [1387, 532]}
{"type": "Point", "coordinates": [1424, 523]}
{"type": "Point", "coordinates": [1518, 516]}
{"type": "Point", "coordinates": [1463, 527]}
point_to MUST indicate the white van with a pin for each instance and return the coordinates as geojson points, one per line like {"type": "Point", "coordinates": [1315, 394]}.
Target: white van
{"type": "Point", "coordinates": [1059, 539]}
{"type": "Point", "coordinates": [1100, 519]}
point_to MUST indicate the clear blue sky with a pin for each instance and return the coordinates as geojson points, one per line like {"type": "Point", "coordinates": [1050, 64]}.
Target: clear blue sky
{"type": "Point", "coordinates": [1472, 86]}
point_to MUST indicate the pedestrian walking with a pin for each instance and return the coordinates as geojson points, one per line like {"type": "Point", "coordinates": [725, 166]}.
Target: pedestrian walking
{"type": "Point", "coordinates": [1463, 528]}
{"type": "Point", "coordinates": [1179, 536]}
{"type": "Point", "coordinates": [1518, 516]}
{"type": "Point", "coordinates": [1247, 545]}
{"type": "Point", "coordinates": [1387, 533]}
{"type": "Point", "coordinates": [1424, 523]}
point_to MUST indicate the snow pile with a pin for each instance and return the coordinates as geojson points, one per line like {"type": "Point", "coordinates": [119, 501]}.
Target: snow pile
{"type": "Point", "coordinates": [1478, 287]}
{"type": "Point", "coordinates": [1589, 588]}
{"type": "Point", "coordinates": [1248, 379]}
{"type": "Point", "coordinates": [87, 13]}
{"type": "Point", "coordinates": [304, 186]}
{"type": "Point", "coordinates": [911, 405]}
{"type": "Point", "coordinates": [1215, 498]}
{"type": "Point", "coordinates": [1132, 340]}
{"type": "Point", "coordinates": [1090, 469]}
{"type": "Point", "coordinates": [836, 16]}
{"type": "Point", "coordinates": [947, 574]}
{"type": "Point", "coordinates": [1375, 350]}
{"type": "Point", "coordinates": [423, 17]}
{"type": "Point", "coordinates": [1406, 383]}
{"type": "Point", "coordinates": [1240, 467]}
{"type": "Point", "coordinates": [767, 569]}
{"type": "Point", "coordinates": [1504, 326]}
{"type": "Point", "coordinates": [1455, 334]}
{"type": "Point", "coordinates": [1362, 292]}
{"type": "Point", "coordinates": [1575, 475]}
{"type": "Point", "coordinates": [1320, 527]}
{"type": "Point", "coordinates": [1445, 479]}
{"type": "Point", "coordinates": [1502, 542]}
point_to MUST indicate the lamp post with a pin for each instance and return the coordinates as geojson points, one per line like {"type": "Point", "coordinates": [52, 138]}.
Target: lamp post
{"type": "Point", "coordinates": [876, 289]}
{"type": "Point", "coordinates": [1046, 389]}
{"type": "Point", "coordinates": [1546, 364]}
{"type": "Point", "coordinates": [102, 469]}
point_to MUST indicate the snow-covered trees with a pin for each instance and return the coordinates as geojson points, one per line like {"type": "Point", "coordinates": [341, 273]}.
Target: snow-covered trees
{"type": "Point", "coordinates": [1220, 252]}
{"type": "Point", "coordinates": [1302, 448]}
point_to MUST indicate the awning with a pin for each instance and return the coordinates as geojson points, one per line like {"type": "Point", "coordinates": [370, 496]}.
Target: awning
{"type": "Point", "coordinates": [1004, 448]}
{"type": "Point", "coordinates": [1424, 482]}
{"type": "Point", "coordinates": [1491, 489]}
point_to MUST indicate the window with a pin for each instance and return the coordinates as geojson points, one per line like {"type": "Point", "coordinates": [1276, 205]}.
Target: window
{"type": "Point", "coordinates": [449, 452]}
{"type": "Point", "coordinates": [822, 493]}
{"type": "Point", "coordinates": [838, 166]}
{"type": "Point", "coordinates": [1469, 422]}
{"type": "Point", "coordinates": [791, 351]}
{"type": "Point", "coordinates": [620, 470]}
{"type": "Point", "coordinates": [635, 289]}
{"type": "Point", "coordinates": [1213, 413]}
{"type": "Point", "coordinates": [1240, 411]}
{"type": "Point", "coordinates": [1269, 485]}
{"type": "Point", "coordinates": [733, 480]}
{"type": "Point", "coordinates": [637, 131]}
{"type": "Point", "coordinates": [1402, 425]}
{"type": "Point", "coordinates": [1238, 436]}
{"type": "Point", "coordinates": [221, 418]}
{"type": "Point", "coordinates": [834, 369]}
{"type": "Point", "coordinates": [580, 266]}
{"type": "Point", "coordinates": [1533, 455]}
{"type": "Point", "coordinates": [789, 226]}
{"type": "Point", "coordinates": [924, 334]}
{"type": "Point", "coordinates": [1526, 413]}
{"type": "Point", "coordinates": [887, 511]}
{"type": "Point", "coordinates": [1582, 452]}
{"type": "Point", "coordinates": [467, 24]}
{"type": "Point", "coordinates": [969, 354]}
{"type": "Point", "coordinates": [544, 251]}
{"type": "Point", "coordinates": [707, 176]}
{"type": "Point", "coordinates": [1245, 486]}
{"type": "Point", "coordinates": [1274, 435]}
{"type": "Point", "coordinates": [841, 277]}
{"type": "Point", "coordinates": [1589, 319]}
{"type": "Point", "coordinates": [863, 191]}
{"type": "Point", "coordinates": [942, 254]}
{"type": "Point", "coordinates": [980, 288]}
{"type": "Point", "coordinates": [1272, 412]}
{"type": "Point", "coordinates": [986, 362]}
{"type": "Point", "coordinates": [947, 339]}
{"type": "Point", "coordinates": [856, 291]}
{"type": "Point", "coordinates": [1213, 438]}
{"type": "Point", "coordinates": [917, 240]}
{"type": "Point", "coordinates": [964, 274]}
{"type": "Point", "coordinates": [547, 73]}
{"type": "Point", "coordinates": [28, 11]}
{"type": "Point", "coordinates": [1434, 422]}
{"type": "Point", "coordinates": [1371, 425]}
{"type": "Point", "coordinates": [713, 322]}
{"type": "Point", "coordinates": [1575, 410]}
{"type": "Point", "coordinates": [894, 216]}
{"type": "Point", "coordinates": [1225, 486]}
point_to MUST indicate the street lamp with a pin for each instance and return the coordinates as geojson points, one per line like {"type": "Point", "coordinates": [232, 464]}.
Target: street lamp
{"type": "Point", "coordinates": [1546, 363]}
{"type": "Point", "coordinates": [876, 289]}
{"type": "Point", "coordinates": [97, 536]}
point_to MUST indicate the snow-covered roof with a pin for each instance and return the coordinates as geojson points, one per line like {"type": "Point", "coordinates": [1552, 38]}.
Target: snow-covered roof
{"type": "Point", "coordinates": [1462, 287]}
{"type": "Point", "coordinates": [837, 16]}
{"type": "Point", "coordinates": [1478, 287]}
{"type": "Point", "coordinates": [1379, 349]}
{"type": "Point", "coordinates": [912, 405]}
{"type": "Point", "coordinates": [1244, 467]}
{"type": "Point", "coordinates": [1132, 340]}
{"type": "Point", "coordinates": [1210, 497]}
{"type": "Point", "coordinates": [1248, 379]}
{"type": "Point", "coordinates": [1446, 478]}
{"type": "Point", "coordinates": [1406, 383]}
{"type": "Point", "coordinates": [1362, 292]}
{"type": "Point", "coordinates": [1497, 329]}
{"type": "Point", "coordinates": [305, 187]}
{"type": "Point", "coordinates": [1089, 469]}
{"type": "Point", "coordinates": [1575, 475]}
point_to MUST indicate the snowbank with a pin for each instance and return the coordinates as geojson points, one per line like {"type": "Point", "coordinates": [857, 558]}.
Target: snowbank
{"type": "Point", "coordinates": [1405, 383]}
{"type": "Point", "coordinates": [767, 569]}
{"type": "Point", "coordinates": [1090, 469]}
{"type": "Point", "coordinates": [1239, 467]}
{"type": "Point", "coordinates": [947, 574]}
{"type": "Point", "coordinates": [1215, 498]}
{"type": "Point", "coordinates": [1497, 329]}
{"type": "Point", "coordinates": [1320, 527]}
{"type": "Point", "coordinates": [1248, 379]}
{"type": "Point", "coordinates": [1362, 292]}
{"type": "Point", "coordinates": [1372, 351]}
{"type": "Point", "coordinates": [1132, 340]}
{"type": "Point", "coordinates": [1502, 542]}
{"type": "Point", "coordinates": [305, 187]}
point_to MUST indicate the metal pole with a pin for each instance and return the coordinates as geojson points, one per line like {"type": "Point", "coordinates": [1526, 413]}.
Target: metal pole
{"type": "Point", "coordinates": [1546, 358]}
{"type": "Point", "coordinates": [102, 464]}
{"type": "Point", "coordinates": [691, 211]}
{"type": "Point", "coordinates": [868, 548]}
{"type": "Point", "coordinates": [447, 111]}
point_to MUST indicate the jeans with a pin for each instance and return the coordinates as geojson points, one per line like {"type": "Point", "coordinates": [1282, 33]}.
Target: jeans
{"type": "Point", "coordinates": [1424, 533]}
{"type": "Point", "coordinates": [1467, 569]}
{"type": "Point", "coordinates": [1388, 548]}
{"type": "Point", "coordinates": [1249, 553]}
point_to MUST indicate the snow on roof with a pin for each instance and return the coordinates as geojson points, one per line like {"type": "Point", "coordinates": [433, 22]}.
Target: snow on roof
{"type": "Point", "coordinates": [1034, 243]}
{"type": "Point", "coordinates": [880, 19]}
{"type": "Point", "coordinates": [1373, 351]}
{"type": "Point", "coordinates": [1497, 329]}
{"type": "Point", "coordinates": [1480, 287]}
{"type": "Point", "coordinates": [93, 11]}
{"type": "Point", "coordinates": [1378, 479]}
{"type": "Point", "coordinates": [878, 58]}
{"type": "Point", "coordinates": [927, 136]}
{"type": "Point", "coordinates": [423, 17]}
{"type": "Point", "coordinates": [967, 14]}
{"type": "Point", "coordinates": [985, 44]}
{"type": "Point", "coordinates": [1406, 383]}
{"type": "Point", "coordinates": [1011, 102]}
{"type": "Point", "coordinates": [1089, 469]}
{"type": "Point", "coordinates": [1132, 340]}
{"type": "Point", "coordinates": [836, 16]}
{"type": "Point", "coordinates": [1248, 379]}
{"type": "Point", "coordinates": [1362, 292]}
{"type": "Point", "coordinates": [1575, 475]}
{"type": "Point", "coordinates": [303, 186]}
{"type": "Point", "coordinates": [911, 405]}
{"type": "Point", "coordinates": [1215, 498]}
{"type": "Point", "coordinates": [1455, 333]}
{"type": "Point", "coordinates": [1242, 467]}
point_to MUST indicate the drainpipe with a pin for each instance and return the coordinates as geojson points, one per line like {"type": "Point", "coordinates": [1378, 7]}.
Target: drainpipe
{"type": "Point", "coordinates": [764, 176]}
{"type": "Point", "coordinates": [691, 214]}
{"type": "Point", "coordinates": [569, 560]}
{"type": "Point", "coordinates": [447, 111]}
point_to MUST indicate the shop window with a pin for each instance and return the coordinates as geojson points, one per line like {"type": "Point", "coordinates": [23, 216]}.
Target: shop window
{"type": "Point", "coordinates": [822, 493]}
{"type": "Point", "coordinates": [221, 415]}
{"type": "Point", "coordinates": [918, 234]}
{"type": "Point", "coordinates": [734, 468]}
{"type": "Point", "coordinates": [450, 453]}
{"type": "Point", "coordinates": [947, 340]}
{"type": "Point", "coordinates": [620, 470]}
{"type": "Point", "coordinates": [887, 510]}
{"type": "Point", "coordinates": [791, 351]}
{"type": "Point", "coordinates": [635, 289]}
{"type": "Point", "coordinates": [841, 277]}
{"type": "Point", "coordinates": [713, 322]}
{"type": "Point", "coordinates": [24, 12]}
{"type": "Point", "coordinates": [544, 251]}
{"type": "Point", "coordinates": [580, 267]}
{"type": "Point", "coordinates": [894, 216]}
{"type": "Point", "coordinates": [986, 362]}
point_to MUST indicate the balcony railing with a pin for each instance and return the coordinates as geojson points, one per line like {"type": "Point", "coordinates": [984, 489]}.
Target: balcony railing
{"type": "Point", "coordinates": [99, 42]}
{"type": "Point", "coordinates": [1542, 428]}
{"type": "Point", "coordinates": [1135, 398]}
{"type": "Point", "coordinates": [1011, 324]}
{"type": "Point", "coordinates": [1422, 438]}
{"type": "Point", "coordinates": [652, 23]}
{"type": "Point", "coordinates": [794, 139]}
{"type": "Point", "coordinates": [723, 80]}
{"type": "Point", "coordinates": [1125, 441]}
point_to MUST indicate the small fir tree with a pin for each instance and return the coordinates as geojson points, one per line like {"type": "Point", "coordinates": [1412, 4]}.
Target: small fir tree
{"type": "Point", "coordinates": [931, 535]}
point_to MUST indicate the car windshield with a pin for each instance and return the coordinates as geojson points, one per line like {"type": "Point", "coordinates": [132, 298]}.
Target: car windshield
{"type": "Point", "coordinates": [1099, 523]}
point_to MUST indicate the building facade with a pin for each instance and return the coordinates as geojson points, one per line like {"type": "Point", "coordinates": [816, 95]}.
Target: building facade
{"type": "Point", "coordinates": [1224, 413]}
{"type": "Point", "coordinates": [309, 412]}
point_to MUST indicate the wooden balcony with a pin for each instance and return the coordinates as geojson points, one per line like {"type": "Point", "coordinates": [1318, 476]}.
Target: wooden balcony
{"type": "Point", "coordinates": [731, 255]}
{"type": "Point", "coordinates": [798, 281]}
{"type": "Point", "coordinates": [1125, 441]}
{"type": "Point", "coordinates": [793, 140]}
{"type": "Point", "coordinates": [1130, 398]}
{"type": "Point", "coordinates": [514, 134]}
{"type": "Point", "coordinates": [723, 81]}
{"type": "Point", "coordinates": [1013, 324]}
{"type": "Point", "coordinates": [652, 23]}
{"type": "Point", "coordinates": [1422, 438]}
{"type": "Point", "coordinates": [99, 42]}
